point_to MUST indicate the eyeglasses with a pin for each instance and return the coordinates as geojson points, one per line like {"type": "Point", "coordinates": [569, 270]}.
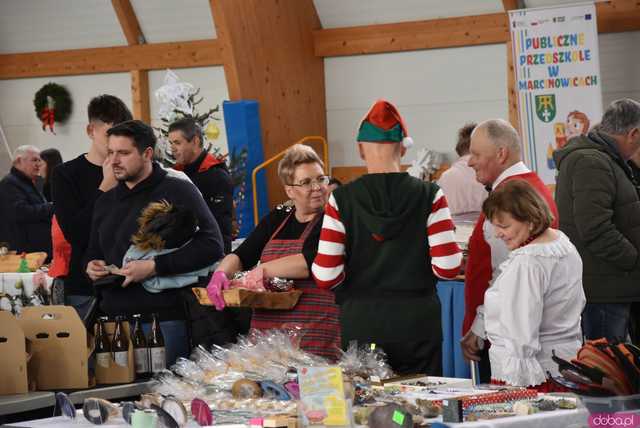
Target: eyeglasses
{"type": "Point", "coordinates": [308, 183]}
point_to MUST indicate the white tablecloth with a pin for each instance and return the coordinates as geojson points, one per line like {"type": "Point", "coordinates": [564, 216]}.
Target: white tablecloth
{"type": "Point", "coordinates": [578, 418]}
{"type": "Point", "coordinates": [560, 418]}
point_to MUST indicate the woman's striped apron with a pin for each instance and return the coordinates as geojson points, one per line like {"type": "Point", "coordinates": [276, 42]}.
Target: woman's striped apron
{"type": "Point", "coordinates": [316, 313]}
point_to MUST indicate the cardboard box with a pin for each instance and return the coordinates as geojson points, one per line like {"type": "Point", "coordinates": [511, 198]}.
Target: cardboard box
{"type": "Point", "coordinates": [13, 348]}
{"type": "Point", "coordinates": [60, 347]}
{"type": "Point", "coordinates": [115, 373]}
{"type": "Point", "coordinates": [11, 262]}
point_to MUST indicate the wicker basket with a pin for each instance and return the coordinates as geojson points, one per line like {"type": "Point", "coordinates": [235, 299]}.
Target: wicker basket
{"type": "Point", "coordinates": [238, 297]}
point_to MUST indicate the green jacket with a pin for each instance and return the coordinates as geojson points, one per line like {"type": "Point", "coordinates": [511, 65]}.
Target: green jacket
{"type": "Point", "coordinates": [389, 290]}
{"type": "Point", "coordinates": [599, 210]}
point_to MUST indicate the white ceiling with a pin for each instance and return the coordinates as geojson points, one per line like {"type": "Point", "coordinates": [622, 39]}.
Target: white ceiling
{"type": "Point", "coordinates": [44, 25]}
{"type": "Point", "coordinates": [174, 20]}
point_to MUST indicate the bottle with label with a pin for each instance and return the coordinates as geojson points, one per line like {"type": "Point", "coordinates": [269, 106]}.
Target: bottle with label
{"type": "Point", "coordinates": [103, 346]}
{"type": "Point", "coordinates": [140, 348]}
{"type": "Point", "coordinates": [155, 342]}
{"type": "Point", "coordinates": [120, 344]}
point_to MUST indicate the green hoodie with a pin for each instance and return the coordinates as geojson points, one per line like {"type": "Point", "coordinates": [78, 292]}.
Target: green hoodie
{"type": "Point", "coordinates": [389, 290]}
{"type": "Point", "coordinates": [599, 211]}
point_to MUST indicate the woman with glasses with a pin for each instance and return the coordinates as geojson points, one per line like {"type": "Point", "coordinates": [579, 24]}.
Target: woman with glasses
{"type": "Point", "coordinates": [285, 243]}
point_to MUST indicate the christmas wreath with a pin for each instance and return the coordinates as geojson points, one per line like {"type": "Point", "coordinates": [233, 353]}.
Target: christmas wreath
{"type": "Point", "coordinates": [53, 104]}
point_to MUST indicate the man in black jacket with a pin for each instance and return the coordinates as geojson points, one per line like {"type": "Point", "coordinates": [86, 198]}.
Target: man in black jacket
{"type": "Point", "coordinates": [77, 184]}
{"type": "Point", "coordinates": [25, 214]}
{"type": "Point", "coordinates": [599, 211]}
{"type": "Point", "coordinates": [141, 181]}
{"type": "Point", "coordinates": [208, 173]}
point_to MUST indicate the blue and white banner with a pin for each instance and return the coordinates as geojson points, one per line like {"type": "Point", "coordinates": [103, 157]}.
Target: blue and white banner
{"type": "Point", "coordinates": [244, 137]}
{"type": "Point", "coordinates": [557, 73]}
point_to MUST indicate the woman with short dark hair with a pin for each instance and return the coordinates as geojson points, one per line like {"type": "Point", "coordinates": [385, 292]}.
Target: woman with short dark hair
{"type": "Point", "coordinates": [51, 159]}
{"type": "Point", "coordinates": [534, 305]}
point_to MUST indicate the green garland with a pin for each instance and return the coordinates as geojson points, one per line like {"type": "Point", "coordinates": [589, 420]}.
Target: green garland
{"type": "Point", "coordinates": [60, 95]}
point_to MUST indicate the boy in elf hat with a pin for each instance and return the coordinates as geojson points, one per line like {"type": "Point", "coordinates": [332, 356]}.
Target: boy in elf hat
{"type": "Point", "coordinates": [386, 239]}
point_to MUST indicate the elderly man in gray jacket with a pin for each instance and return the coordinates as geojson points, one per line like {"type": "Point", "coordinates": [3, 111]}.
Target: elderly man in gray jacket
{"type": "Point", "coordinates": [599, 210]}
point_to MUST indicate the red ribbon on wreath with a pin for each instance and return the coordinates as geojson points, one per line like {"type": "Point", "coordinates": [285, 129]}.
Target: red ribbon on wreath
{"type": "Point", "coordinates": [48, 115]}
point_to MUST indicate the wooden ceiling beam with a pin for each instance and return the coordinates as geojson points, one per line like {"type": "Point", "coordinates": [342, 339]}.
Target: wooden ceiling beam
{"type": "Point", "coordinates": [140, 105]}
{"type": "Point", "coordinates": [129, 22]}
{"type": "Point", "coordinates": [512, 5]}
{"type": "Point", "coordinates": [618, 16]}
{"type": "Point", "coordinates": [269, 57]}
{"type": "Point", "coordinates": [613, 16]}
{"type": "Point", "coordinates": [155, 56]}
{"type": "Point", "coordinates": [416, 35]}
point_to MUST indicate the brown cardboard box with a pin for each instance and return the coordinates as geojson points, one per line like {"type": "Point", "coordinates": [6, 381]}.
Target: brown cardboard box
{"type": "Point", "coordinates": [13, 370]}
{"type": "Point", "coordinates": [60, 347]}
{"type": "Point", "coordinates": [115, 373]}
{"type": "Point", "coordinates": [11, 262]}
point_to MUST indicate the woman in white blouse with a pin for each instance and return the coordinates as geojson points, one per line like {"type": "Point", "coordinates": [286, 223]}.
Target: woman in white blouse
{"type": "Point", "coordinates": [534, 305]}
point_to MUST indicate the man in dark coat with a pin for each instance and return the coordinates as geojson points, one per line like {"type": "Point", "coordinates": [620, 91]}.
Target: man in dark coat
{"type": "Point", "coordinates": [208, 173]}
{"type": "Point", "coordinates": [25, 214]}
{"type": "Point", "coordinates": [599, 209]}
{"type": "Point", "coordinates": [115, 220]}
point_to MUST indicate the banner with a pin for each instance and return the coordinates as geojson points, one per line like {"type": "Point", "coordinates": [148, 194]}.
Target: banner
{"type": "Point", "coordinates": [557, 73]}
{"type": "Point", "coordinates": [244, 138]}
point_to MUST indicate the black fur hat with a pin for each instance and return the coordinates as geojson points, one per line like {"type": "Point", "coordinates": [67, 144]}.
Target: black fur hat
{"type": "Point", "coordinates": [163, 225]}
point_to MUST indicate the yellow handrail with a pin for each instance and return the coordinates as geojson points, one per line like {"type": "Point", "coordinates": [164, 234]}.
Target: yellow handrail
{"type": "Point", "coordinates": [325, 156]}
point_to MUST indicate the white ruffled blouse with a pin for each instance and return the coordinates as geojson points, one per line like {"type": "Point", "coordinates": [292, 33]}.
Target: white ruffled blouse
{"type": "Point", "coordinates": [532, 308]}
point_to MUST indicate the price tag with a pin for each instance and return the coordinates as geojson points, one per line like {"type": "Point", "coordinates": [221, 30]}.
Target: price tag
{"type": "Point", "coordinates": [398, 417]}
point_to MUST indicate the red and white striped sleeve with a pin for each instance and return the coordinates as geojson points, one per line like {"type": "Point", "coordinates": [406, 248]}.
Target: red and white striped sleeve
{"type": "Point", "coordinates": [446, 256]}
{"type": "Point", "coordinates": [328, 266]}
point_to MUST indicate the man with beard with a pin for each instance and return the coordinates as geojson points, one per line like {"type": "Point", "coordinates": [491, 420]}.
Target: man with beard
{"type": "Point", "coordinates": [115, 221]}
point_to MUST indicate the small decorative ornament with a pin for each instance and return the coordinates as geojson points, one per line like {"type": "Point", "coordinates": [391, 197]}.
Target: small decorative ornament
{"type": "Point", "coordinates": [211, 131]}
{"type": "Point", "coordinates": [426, 163]}
{"type": "Point", "coordinates": [52, 104]}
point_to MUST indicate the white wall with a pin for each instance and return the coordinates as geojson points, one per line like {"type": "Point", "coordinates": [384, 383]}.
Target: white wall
{"type": "Point", "coordinates": [437, 91]}
{"type": "Point", "coordinates": [21, 126]}
{"type": "Point", "coordinates": [620, 66]}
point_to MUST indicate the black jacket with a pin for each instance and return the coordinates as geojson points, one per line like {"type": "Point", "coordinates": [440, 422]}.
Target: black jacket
{"type": "Point", "coordinates": [599, 210]}
{"type": "Point", "coordinates": [115, 220]}
{"type": "Point", "coordinates": [75, 191]}
{"type": "Point", "coordinates": [213, 180]}
{"type": "Point", "coordinates": [25, 214]}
